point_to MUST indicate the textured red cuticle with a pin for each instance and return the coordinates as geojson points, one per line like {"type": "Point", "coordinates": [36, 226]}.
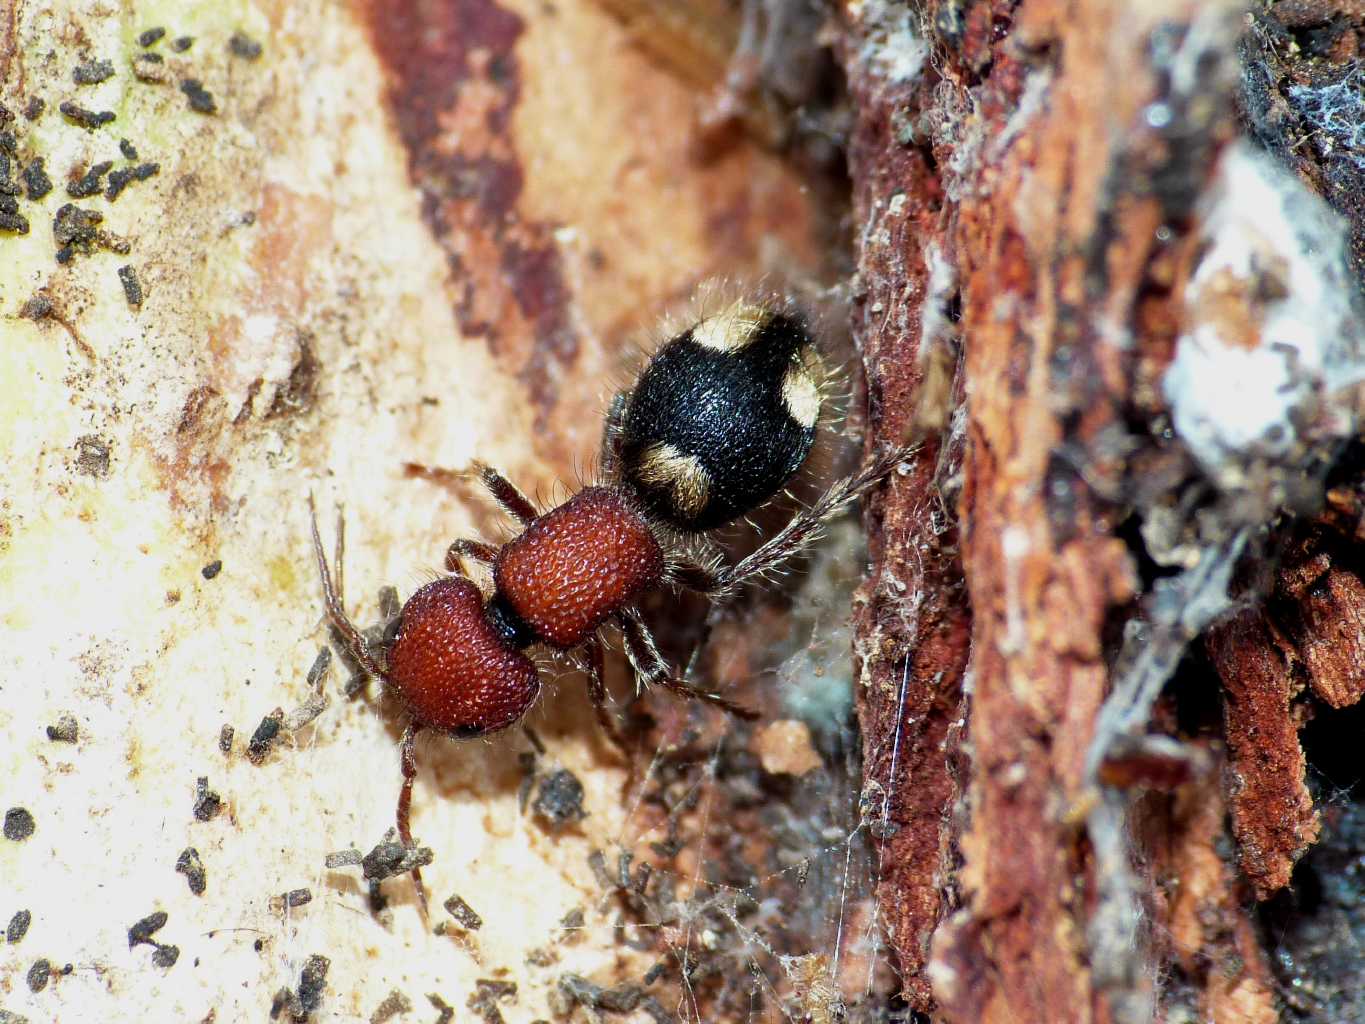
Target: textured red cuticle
{"type": "Point", "coordinates": [451, 669]}
{"type": "Point", "coordinates": [577, 564]}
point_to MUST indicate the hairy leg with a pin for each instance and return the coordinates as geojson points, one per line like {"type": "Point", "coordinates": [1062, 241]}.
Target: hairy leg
{"type": "Point", "coordinates": [409, 762]}
{"type": "Point", "coordinates": [651, 669]}
{"type": "Point", "coordinates": [336, 614]}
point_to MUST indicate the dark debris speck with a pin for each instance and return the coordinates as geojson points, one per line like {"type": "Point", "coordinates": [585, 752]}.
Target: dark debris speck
{"type": "Point", "coordinates": [244, 46]}
{"type": "Point", "coordinates": [165, 955]}
{"type": "Point", "coordinates": [92, 451]}
{"type": "Point", "coordinates": [128, 150]}
{"type": "Point", "coordinates": [143, 930]}
{"type": "Point", "coordinates": [457, 908]}
{"type": "Point", "coordinates": [212, 569]}
{"type": "Point", "coordinates": [90, 183]}
{"type": "Point", "coordinates": [124, 176]}
{"type": "Point", "coordinates": [559, 799]}
{"type": "Point", "coordinates": [300, 1005]}
{"type": "Point", "coordinates": [18, 824]}
{"type": "Point", "coordinates": [182, 43]}
{"type": "Point", "coordinates": [446, 1011]}
{"type": "Point", "coordinates": [87, 119]}
{"type": "Point", "coordinates": [36, 180]}
{"type": "Point", "coordinates": [150, 36]}
{"type": "Point", "coordinates": [16, 223]}
{"type": "Point", "coordinates": [34, 109]}
{"type": "Point", "coordinates": [394, 1003]}
{"type": "Point", "coordinates": [297, 897]}
{"type": "Point", "coordinates": [201, 100]}
{"type": "Point", "coordinates": [38, 975]}
{"type": "Point", "coordinates": [132, 287]}
{"type": "Point", "coordinates": [343, 859]}
{"type": "Point", "coordinates": [67, 730]}
{"type": "Point", "coordinates": [191, 866]}
{"type": "Point", "coordinates": [18, 925]}
{"type": "Point", "coordinates": [488, 993]}
{"type": "Point", "coordinates": [391, 858]}
{"type": "Point", "coordinates": [225, 736]}
{"type": "Point", "coordinates": [78, 231]}
{"type": "Point", "coordinates": [91, 72]}
{"type": "Point", "coordinates": [207, 803]}
{"type": "Point", "coordinates": [264, 737]}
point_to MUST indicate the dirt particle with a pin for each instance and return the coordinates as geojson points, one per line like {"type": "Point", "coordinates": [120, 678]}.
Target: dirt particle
{"type": "Point", "coordinates": [559, 799]}
{"type": "Point", "coordinates": [192, 867]}
{"type": "Point", "coordinates": [36, 180]}
{"type": "Point", "coordinates": [446, 1011]}
{"type": "Point", "coordinates": [38, 975]}
{"type": "Point", "coordinates": [201, 100]}
{"type": "Point", "coordinates": [301, 1005]}
{"type": "Point", "coordinates": [65, 731]}
{"type": "Point", "coordinates": [394, 1003]}
{"type": "Point", "coordinates": [90, 183]}
{"type": "Point", "coordinates": [225, 735]}
{"type": "Point", "coordinates": [207, 803]}
{"type": "Point", "coordinates": [244, 46]}
{"type": "Point", "coordinates": [124, 176]}
{"type": "Point", "coordinates": [390, 858]}
{"type": "Point", "coordinates": [298, 393]}
{"type": "Point", "coordinates": [212, 569]}
{"type": "Point", "coordinates": [132, 287]}
{"type": "Point", "coordinates": [463, 913]}
{"type": "Point", "coordinates": [128, 150]}
{"type": "Point", "coordinates": [92, 72]}
{"type": "Point", "coordinates": [16, 223]}
{"type": "Point", "coordinates": [488, 993]}
{"type": "Point", "coordinates": [35, 108]}
{"type": "Point", "coordinates": [343, 859]}
{"type": "Point", "coordinates": [149, 68]}
{"type": "Point", "coordinates": [264, 737]}
{"type": "Point", "coordinates": [92, 451]}
{"type": "Point", "coordinates": [77, 231]}
{"type": "Point", "coordinates": [18, 925]}
{"type": "Point", "coordinates": [182, 43]}
{"type": "Point", "coordinates": [87, 119]}
{"type": "Point", "coordinates": [19, 824]}
{"type": "Point", "coordinates": [143, 930]}
{"type": "Point", "coordinates": [151, 36]}
{"type": "Point", "coordinates": [166, 956]}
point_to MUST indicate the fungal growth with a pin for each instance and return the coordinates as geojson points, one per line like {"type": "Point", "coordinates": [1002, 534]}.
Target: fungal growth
{"type": "Point", "coordinates": [718, 422]}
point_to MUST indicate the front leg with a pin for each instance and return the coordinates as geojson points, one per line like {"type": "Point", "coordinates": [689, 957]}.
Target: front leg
{"type": "Point", "coordinates": [474, 550]}
{"type": "Point", "coordinates": [651, 668]}
{"type": "Point", "coordinates": [505, 493]}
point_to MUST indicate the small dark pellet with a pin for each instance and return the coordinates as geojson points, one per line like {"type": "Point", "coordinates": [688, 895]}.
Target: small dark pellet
{"type": "Point", "coordinates": [559, 798]}
{"type": "Point", "coordinates": [87, 119]}
{"type": "Point", "coordinates": [151, 36]}
{"type": "Point", "coordinates": [143, 930]}
{"type": "Point", "coordinates": [166, 956]}
{"type": "Point", "coordinates": [132, 287]}
{"type": "Point", "coordinates": [89, 184]}
{"type": "Point", "coordinates": [65, 731]}
{"type": "Point", "coordinates": [264, 736]}
{"type": "Point", "coordinates": [201, 100]}
{"type": "Point", "coordinates": [38, 975]}
{"type": "Point", "coordinates": [92, 71]}
{"type": "Point", "coordinates": [35, 179]}
{"type": "Point", "coordinates": [35, 108]}
{"type": "Point", "coordinates": [457, 908]}
{"type": "Point", "coordinates": [225, 735]}
{"type": "Point", "coordinates": [18, 925]}
{"type": "Point", "coordinates": [311, 982]}
{"type": "Point", "coordinates": [298, 897]}
{"type": "Point", "coordinates": [192, 867]}
{"type": "Point", "coordinates": [182, 43]}
{"type": "Point", "coordinates": [207, 803]}
{"type": "Point", "coordinates": [212, 569]}
{"type": "Point", "coordinates": [128, 150]}
{"type": "Point", "coordinates": [343, 859]}
{"type": "Point", "coordinates": [244, 47]}
{"type": "Point", "coordinates": [18, 824]}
